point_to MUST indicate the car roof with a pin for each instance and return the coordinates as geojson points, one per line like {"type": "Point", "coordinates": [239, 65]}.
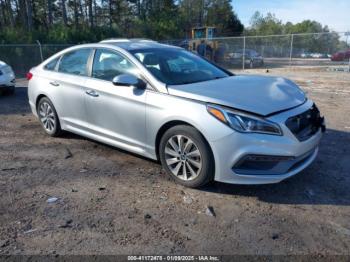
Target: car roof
{"type": "Point", "coordinates": [134, 44]}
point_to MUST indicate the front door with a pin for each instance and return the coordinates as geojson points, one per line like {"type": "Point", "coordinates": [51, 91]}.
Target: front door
{"type": "Point", "coordinates": [116, 114]}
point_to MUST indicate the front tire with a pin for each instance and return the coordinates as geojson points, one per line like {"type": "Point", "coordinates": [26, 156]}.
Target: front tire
{"type": "Point", "coordinates": [186, 156]}
{"type": "Point", "coordinates": [48, 117]}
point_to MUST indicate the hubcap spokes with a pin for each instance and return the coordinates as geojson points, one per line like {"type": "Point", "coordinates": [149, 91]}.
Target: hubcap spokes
{"type": "Point", "coordinates": [183, 157]}
{"type": "Point", "coordinates": [47, 116]}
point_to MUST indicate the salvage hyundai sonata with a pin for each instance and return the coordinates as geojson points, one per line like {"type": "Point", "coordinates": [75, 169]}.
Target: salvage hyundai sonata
{"type": "Point", "coordinates": [201, 121]}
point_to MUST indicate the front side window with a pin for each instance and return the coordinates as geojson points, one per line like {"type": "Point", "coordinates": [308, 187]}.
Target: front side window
{"type": "Point", "coordinates": [108, 64]}
{"type": "Point", "coordinates": [75, 62]}
{"type": "Point", "coordinates": [177, 66]}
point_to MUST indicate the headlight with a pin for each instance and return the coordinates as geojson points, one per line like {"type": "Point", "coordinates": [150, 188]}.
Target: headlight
{"type": "Point", "coordinates": [244, 123]}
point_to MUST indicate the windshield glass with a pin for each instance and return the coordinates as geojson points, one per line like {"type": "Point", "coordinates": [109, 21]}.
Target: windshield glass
{"type": "Point", "coordinates": [176, 66]}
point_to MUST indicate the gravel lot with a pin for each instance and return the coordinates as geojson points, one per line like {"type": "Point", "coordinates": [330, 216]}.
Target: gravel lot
{"type": "Point", "coordinates": [113, 202]}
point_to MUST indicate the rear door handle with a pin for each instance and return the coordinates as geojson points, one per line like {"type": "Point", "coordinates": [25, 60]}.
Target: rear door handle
{"type": "Point", "coordinates": [54, 83]}
{"type": "Point", "coordinates": [92, 93]}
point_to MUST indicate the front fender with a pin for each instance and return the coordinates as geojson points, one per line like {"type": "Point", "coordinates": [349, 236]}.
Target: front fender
{"type": "Point", "coordinates": [163, 108]}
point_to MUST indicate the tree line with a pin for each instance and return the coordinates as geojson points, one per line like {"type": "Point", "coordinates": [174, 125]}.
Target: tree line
{"type": "Point", "coordinates": [79, 21]}
{"type": "Point", "coordinates": [76, 21]}
{"type": "Point", "coordinates": [325, 42]}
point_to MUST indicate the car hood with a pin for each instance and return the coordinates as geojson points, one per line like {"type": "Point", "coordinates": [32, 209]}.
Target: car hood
{"type": "Point", "coordinates": [260, 95]}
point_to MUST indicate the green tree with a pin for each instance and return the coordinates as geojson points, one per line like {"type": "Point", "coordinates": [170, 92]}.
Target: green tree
{"type": "Point", "coordinates": [265, 25]}
{"type": "Point", "coordinates": [76, 21]}
{"type": "Point", "coordinates": [220, 14]}
{"type": "Point", "coordinates": [303, 41]}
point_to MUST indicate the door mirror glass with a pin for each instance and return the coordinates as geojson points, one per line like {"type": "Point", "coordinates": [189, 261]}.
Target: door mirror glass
{"type": "Point", "coordinates": [128, 80]}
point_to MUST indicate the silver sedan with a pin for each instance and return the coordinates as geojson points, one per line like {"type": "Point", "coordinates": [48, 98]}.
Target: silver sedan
{"type": "Point", "coordinates": [201, 121]}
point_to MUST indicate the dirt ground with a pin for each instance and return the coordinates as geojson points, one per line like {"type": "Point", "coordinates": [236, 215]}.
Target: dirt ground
{"type": "Point", "coordinates": [113, 202]}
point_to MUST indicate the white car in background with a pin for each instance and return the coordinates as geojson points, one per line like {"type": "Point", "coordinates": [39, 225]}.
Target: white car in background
{"type": "Point", "coordinates": [317, 55]}
{"type": "Point", "coordinates": [7, 79]}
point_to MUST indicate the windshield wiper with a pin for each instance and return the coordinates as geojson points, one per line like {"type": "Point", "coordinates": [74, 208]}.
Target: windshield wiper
{"type": "Point", "coordinates": [203, 80]}
{"type": "Point", "coordinates": [192, 82]}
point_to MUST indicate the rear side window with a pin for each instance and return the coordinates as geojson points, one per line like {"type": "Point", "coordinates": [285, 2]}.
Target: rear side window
{"type": "Point", "coordinates": [52, 65]}
{"type": "Point", "coordinates": [75, 62]}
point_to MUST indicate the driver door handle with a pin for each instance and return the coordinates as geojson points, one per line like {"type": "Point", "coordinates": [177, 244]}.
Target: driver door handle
{"type": "Point", "coordinates": [92, 93]}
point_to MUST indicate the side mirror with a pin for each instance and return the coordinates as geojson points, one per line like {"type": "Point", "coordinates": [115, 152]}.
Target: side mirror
{"type": "Point", "coordinates": [129, 80]}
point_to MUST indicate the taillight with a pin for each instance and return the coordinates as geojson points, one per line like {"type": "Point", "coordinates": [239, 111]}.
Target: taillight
{"type": "Point", "coordinates": [29, 76]}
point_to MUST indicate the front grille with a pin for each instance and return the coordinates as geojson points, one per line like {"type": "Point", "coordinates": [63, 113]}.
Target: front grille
{"type": "Point", "coordinates": [306, 124]}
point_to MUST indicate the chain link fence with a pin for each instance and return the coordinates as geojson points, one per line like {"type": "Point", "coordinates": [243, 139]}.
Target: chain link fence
{"type": "Point", "coordinates": [22, 57]}
{"type": "Point", "coordinates": [330, 50]}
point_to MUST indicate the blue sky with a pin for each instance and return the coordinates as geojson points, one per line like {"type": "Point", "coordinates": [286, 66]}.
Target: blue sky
{"type": "Point", "coordinates": [334, 13]}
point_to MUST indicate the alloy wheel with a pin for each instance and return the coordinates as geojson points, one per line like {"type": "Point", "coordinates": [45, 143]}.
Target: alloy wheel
{"type": "Point", "coordinates": [47, 117]}
{"type": "Point", "coordinates": [183, 157]}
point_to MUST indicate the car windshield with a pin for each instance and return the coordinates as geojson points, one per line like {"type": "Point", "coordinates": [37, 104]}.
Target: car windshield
{"type": "Point", "coordinates": [177, 67]}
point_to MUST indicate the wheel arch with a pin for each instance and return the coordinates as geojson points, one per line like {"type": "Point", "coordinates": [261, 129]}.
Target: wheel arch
{"type": "Point", "coordinates": [38, 98]}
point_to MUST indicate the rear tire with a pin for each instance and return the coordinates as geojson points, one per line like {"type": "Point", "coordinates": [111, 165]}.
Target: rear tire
{"type": "Point", "coordinates": [48, 117]}
{"type": "Point", "coordinates": [186, 156]}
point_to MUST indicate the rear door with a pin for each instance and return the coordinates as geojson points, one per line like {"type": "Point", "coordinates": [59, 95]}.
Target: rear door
{"type": "Point", "coordinates": [68, 82]}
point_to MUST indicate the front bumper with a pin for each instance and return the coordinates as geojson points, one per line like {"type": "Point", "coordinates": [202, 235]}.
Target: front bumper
{"type": "Point", "coordinates": [291, 156]}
